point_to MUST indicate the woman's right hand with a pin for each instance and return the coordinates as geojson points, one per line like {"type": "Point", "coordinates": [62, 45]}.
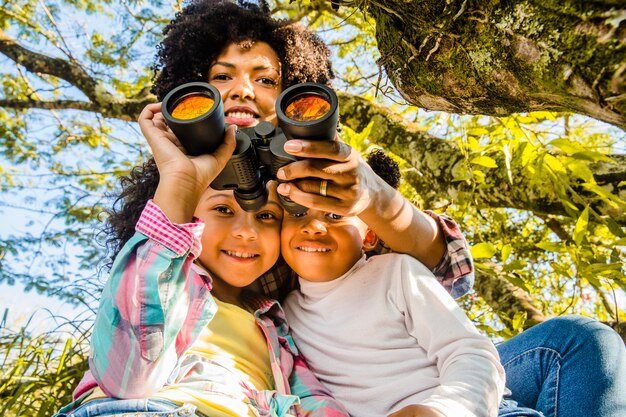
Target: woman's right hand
{"type": "Point", "coordinates": [183, 178]}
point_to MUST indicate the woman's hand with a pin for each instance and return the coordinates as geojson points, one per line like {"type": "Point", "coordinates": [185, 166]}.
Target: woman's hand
{"type": "Point", "coordinates": [354, 189]}
{"type": "Point", "coordinates": [417, 411]}
{"type": "Point", "coordinates": [183, 178]}
{"type": "Point", "coordinates": [352, 186]}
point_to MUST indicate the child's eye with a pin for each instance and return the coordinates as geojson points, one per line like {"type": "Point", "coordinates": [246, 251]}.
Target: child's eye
{"type": "Point", "coordinates": [223, 210]}
{"type": "Point", "coordinates": [334, 216]}
{"type": "Point", "coordinates": [267, 215]}
{"type": "Point", "coordinates": [297, 215]}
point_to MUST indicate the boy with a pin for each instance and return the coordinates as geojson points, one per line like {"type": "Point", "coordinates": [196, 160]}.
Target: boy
{"type": "Point", "coordinates": [381, 333]}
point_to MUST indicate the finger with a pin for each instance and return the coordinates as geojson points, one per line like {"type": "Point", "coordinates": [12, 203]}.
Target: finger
{"type": "Point", "coordinates": [223, 153]}
{"type": "Point", "coordinates": [320, 149]}
{"type": "Point", "coordinates": [312, 200]}
{"type": "Point", "coordinates": [314, 186]}
{"type": "Point", "coordinates": [341, 173]}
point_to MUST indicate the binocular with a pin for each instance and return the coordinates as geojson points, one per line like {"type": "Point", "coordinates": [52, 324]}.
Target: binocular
{"type": "Point", "coordinates": [195, 113]}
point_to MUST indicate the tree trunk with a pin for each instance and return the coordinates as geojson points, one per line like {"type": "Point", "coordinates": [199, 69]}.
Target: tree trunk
{"type": "Point", "coordinates": [497, 57]}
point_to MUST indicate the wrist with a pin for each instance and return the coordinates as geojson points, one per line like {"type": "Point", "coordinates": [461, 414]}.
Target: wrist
{"type": "Point", "coordinates": [178, 197]}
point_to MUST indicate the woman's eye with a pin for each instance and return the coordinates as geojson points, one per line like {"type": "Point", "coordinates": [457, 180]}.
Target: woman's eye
{"type": "Point", "coordinates": [223, 210]}
{"type": "Point", "coordinates": [220, 77]}
{"type": "Point", "coordinates": [334, 216]}
{"type": "Point", "coordinates": [268, 81]}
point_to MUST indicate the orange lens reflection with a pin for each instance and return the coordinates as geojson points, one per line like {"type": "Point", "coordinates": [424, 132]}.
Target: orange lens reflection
{"type": "Point", "coordinates": [307, 107]}
{"type": "Point", "coordinates": [192, 106]}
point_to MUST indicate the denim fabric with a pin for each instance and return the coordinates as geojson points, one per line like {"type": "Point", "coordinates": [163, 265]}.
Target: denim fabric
{"type": "Point", "coordinates": [130, 408]}
{"type": "Point", "coordinates": [567, 367]}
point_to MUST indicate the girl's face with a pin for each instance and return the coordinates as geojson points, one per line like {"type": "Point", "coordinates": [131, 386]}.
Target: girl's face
{"type": "Point", "coordinates": [249, 79]}
{"type": "Point", "coordinates": [238, 246]}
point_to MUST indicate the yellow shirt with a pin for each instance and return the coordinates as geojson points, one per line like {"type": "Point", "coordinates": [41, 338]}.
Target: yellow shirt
{"type": "Point", "coordinates": [230, 353]}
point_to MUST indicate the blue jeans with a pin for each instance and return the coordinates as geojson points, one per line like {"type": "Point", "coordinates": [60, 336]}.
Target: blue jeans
{"type": "Point", "coordinates": [129, 408]}
{"type": "Point", "coordinates": [567, 367]}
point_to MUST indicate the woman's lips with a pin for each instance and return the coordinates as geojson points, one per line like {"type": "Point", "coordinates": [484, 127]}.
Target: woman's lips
{"type": "Point", "coordinates": [241, 117]}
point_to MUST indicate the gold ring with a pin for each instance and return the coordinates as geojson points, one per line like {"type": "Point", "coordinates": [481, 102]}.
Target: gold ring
{"type": "Point", "coordinates": [323, 187]}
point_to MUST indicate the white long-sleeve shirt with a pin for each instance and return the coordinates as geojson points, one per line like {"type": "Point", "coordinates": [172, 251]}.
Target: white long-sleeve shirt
{"type": "Point", "coordinates": [386, 335]}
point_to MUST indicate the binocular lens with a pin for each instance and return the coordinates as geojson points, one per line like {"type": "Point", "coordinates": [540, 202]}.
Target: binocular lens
{"type": "Point", "coordinates": [307, 107]}
{"type": "Point", "coordinates": [191, 106]}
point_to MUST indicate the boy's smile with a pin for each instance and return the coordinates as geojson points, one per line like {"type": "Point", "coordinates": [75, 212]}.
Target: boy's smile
{"type": "Point", "coordinates": [321, 246]}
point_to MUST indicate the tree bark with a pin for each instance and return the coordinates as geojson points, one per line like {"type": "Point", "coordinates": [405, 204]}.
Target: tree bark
{"type": "Point", "coordinates": [497, 58]}
{"type": "Point", "coordinates": [437, 160]}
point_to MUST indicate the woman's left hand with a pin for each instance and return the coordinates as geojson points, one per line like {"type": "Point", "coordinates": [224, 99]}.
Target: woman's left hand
{"type": "Point", "coordinates": [351, 185]}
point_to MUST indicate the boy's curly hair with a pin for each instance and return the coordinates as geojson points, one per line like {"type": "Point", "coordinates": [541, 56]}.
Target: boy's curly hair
{"type": "Point", "coordinates": [384, 166]}
{"type": "Point", "coordinates": [192, 42]}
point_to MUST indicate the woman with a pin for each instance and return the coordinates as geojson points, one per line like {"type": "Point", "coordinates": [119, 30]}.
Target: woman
{"type": "Point", "coordinates": [344, 184]}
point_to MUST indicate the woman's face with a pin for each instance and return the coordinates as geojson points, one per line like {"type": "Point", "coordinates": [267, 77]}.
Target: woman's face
{"type": "Point", "coordinates": [249, 79]}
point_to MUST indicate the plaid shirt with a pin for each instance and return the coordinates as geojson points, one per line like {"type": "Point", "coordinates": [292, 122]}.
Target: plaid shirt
{"type": "Point", "coordinates": [455, 270]}
{"type": "Point", "coordinates": [153, 308]}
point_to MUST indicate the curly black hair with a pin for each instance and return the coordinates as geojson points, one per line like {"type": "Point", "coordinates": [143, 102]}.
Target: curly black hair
{"type": "Point", "coordinates": [192, 42]}
{"type": "Point", "coordinates": [199, 33]}
{"type": "Point", "coordinates": [384, 166]}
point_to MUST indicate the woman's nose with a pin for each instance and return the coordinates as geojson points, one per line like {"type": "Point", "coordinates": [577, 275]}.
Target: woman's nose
{"type": "Point", "coordinates": [242, 88]}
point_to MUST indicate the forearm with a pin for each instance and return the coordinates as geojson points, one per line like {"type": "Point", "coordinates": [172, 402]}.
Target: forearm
{"type": "Point", "coordinates": [403, 227]}
{"type": "Point", "coordinates": [178, 197]}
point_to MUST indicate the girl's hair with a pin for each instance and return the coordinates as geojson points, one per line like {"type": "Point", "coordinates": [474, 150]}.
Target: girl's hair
{"type": "Point", "coordinates": [192, 42]}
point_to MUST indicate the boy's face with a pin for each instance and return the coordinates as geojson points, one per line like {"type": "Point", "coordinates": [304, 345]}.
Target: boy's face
{"type": "Point", "coordinates": [321, 246]}
{"type": "Point", "coordinates": [238, 246]}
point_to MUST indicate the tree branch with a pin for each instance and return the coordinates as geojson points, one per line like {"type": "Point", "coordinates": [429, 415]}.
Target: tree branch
{"type": "Point", "coordinates": [43, 64]}
{"type": "Point", "coordinates": [437, 160]}
{"type": "Point", "coordinates": [499, 58]}
{"type": "Point", "coordinates": [100, 100]}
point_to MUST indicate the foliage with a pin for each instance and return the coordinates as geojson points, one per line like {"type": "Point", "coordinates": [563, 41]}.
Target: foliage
{"type": "Point", "coordinates": [64, 141]}
{"type": "Point", "coordinates": [39, 371]}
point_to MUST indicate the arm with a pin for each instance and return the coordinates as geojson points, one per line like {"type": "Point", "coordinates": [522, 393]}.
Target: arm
{"type": "Point", "coordinates": [152, 309]}
{"type": "Point", "coordinates": [355, 189]}
{"type": "Point", "coordinates": [154, 304]}
{"type": "Point", "coordinates": [471, 379]}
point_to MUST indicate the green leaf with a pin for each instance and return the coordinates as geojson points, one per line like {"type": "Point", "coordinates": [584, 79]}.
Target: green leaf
{"type": "Point", "coordinates": [553, 163]}
{"type": "Point", "coordinates": [598, 268]}
{"type": "Point", "coordinates": [506, 252]}
{"type": "Point", "coordinates": [567, 146]}
{"type": "Point", "coordinates": [581, 227]}
{"type": "Point", "coordinates": [593, 156]}
{"type": "Point", "coordinates": [483, 250]}
{"type": "Point", "coordinates": [582, 171]}
{"type": "Point", "coordinates": [518, 320]}
{"type": "Point", "coordinates": [484, 161]}
{"type": "Point", "coordinates": [515, 265]}
{"type": "Point", "coordinates": [551, 246]}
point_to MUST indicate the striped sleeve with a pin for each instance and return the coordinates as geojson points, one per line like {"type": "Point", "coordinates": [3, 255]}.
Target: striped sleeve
{"type": "Point", "coordinates": [152, 308]}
